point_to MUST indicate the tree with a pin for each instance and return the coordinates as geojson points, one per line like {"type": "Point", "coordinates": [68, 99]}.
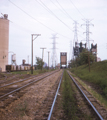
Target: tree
{"type": "Point", "coordinates": [39, 63]}
{"type": "Point", "coordinates": [85, 57]}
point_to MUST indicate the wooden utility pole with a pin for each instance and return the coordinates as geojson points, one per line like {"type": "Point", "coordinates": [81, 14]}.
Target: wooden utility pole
{"type": "Point", "coordinates": [89, 61]}
{"type": "Point", "coordinates": [32, 50]}
{"type": "Point", "coordinates": [42, 56]}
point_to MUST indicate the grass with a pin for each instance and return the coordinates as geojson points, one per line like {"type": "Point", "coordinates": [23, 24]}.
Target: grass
{"type": "Point", "coordinates": [69, 101]}
{"type": "Point", "coordinates": [99, 97]}
{"type": "Point", "coordinates": [68, 98]}
{"type": "Point", "coordinates": [21, 109]}
{"type": "Point", "coordinates": [97, 75]}
{"type": "Point", "coordinates": [35, 72]}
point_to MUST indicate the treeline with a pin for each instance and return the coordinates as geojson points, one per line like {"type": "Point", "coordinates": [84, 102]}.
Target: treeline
{"type": "Point", "coordinates": [85, 57]}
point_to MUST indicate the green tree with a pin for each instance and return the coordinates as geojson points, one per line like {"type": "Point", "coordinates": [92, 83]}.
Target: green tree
{"type": "Point", "coordinates": [85, 57]}
{"type": "Point", "coordinates": [39, 63]}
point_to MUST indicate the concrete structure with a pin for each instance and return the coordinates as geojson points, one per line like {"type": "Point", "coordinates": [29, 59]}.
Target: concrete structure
{"type": "Point", "coordinates": [4, 41]}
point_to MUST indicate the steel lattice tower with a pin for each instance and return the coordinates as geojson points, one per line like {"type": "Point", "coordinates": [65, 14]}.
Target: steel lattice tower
{"type": "Point", "coordinates": [54, 55]}
{"type": "Point", "coordinates": [75, 33]}
{"type": "Point", "coordinates": [75, 40]}
{"type": "Point", "coordinates": [87, 32]}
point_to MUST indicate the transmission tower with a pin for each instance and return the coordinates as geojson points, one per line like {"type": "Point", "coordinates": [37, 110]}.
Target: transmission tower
{"type": "Point", "coordinates": [54, 55]}
{"type": "Point", "coordinates": [87, 24]}
{"type": "Point", "coordinates": [75, 40]}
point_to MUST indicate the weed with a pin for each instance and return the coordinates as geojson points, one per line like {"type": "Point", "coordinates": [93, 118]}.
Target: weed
{"type": "Point", "coordinates": [68, 99]}
{"type": "Point", "coordinates": [22, 108]}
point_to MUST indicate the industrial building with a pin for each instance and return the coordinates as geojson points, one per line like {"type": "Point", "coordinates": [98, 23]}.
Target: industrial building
{"type": "Point", "coordinates": [4, 41]}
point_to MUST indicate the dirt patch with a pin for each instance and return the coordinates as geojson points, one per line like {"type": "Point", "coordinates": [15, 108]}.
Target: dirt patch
{"type": "Point", "coordinates": [26, 107]}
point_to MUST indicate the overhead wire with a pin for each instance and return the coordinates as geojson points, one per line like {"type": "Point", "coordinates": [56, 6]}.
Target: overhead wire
{"type": "Point", "coordinates": [77, 9]}
{"type": "Point", "coordinates": [50, 11]}
{"type": "Point", "coordinates": [37, 20]}
{"type": "Point", "coordinates": [65, 11]}
{"type": "Point", "coordinates": [30, 16]}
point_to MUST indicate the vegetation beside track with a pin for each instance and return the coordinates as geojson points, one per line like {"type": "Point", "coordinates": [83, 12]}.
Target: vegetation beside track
{"type": "Point", "coordinates": [4, 76]}
{"type": "Point", "coordinates": [68, 98]}
{"type": "Point", "coordinates": [97, 74]}
{"type": "Point", "coordinates": [35, 72]}
{"type": "Point", "coordinates": [67, 103]}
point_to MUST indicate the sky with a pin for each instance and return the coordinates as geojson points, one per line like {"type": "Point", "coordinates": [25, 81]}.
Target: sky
{"type": "Point", "coordinates": [49, 18]}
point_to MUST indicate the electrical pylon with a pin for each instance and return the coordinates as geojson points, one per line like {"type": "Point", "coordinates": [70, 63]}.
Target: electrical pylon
{"type": "Point", "coordinates": [75, 33]}
{"type": "Point", "coordinates": [54, 55]}
{"type": "Point", "coordinates": [75, 40]}
{"type": "Point", "coordinates": [87, 24]}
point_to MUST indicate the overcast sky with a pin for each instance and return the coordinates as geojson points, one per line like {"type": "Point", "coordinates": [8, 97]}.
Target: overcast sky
{"type": "Point", "coordinates": [48, 17]}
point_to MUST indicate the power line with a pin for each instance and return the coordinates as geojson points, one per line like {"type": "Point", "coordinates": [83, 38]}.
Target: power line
{"type": "Point", "coordinates": [55, 15]}
{"type": "Point", "coordinates": [65, 11]}
{"type": "Point", "coordinates": [66, 14]}
{"type": "Point", "coordinates": [31, 16]}
{"type": "Point", "coordinates": [77, 9]}
{"type": "Point", "coordinates": [37, 20]}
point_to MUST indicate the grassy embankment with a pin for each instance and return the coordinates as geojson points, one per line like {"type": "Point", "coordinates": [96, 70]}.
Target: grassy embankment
{"type": "Point", "coordinates": [97, 75]}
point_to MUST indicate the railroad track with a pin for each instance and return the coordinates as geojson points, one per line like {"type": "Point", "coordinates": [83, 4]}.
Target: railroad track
{"type": "Point", "coordinates": [44, 112]}
{"type": "Point", "coordinates": [46, 109]}
{"type": "Point", "coordinates": [100, 112]}
{"type": "Point", "coordinates": [9, 78]}
{"type": "Point", "coordinates": [16, 78]}
{"type": "Point", "coordinates": [8, 89]}
{"type": "Point", "coordinates": [33, 96]}
{"type": "Point", "coordinates": [96, 107]}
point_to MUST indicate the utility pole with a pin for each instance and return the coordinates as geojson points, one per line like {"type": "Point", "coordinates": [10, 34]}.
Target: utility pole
{"type": "Point", "coordinates": [32, 39]}
{"type": "Point", "coordinates": [42, 56]}
{"type": "Point", "coordinates": [88, 61]}
{"type": "Point", "coordinates": [87, 32]}
{"type": "Point", "coordinates": [48, 60]}
{"type": "Point", "coordinates": [28, 59]}
{"type": "Point", "coordinates": [70, 55]}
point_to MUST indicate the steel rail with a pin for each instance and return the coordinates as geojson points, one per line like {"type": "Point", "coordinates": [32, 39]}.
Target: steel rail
{"type": "Point", "coordinates": [20, 76]}
{"type": "Point", "coordinates": [98, 114]}
{"type": "Point", "coordinates": [25, 85]}
{"type": "Point", "coordinates": [9, 79]}
{"type": "Point", "coordinates": [31, 77]}
{"type": "Point", "coordinates": [49, 117]}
